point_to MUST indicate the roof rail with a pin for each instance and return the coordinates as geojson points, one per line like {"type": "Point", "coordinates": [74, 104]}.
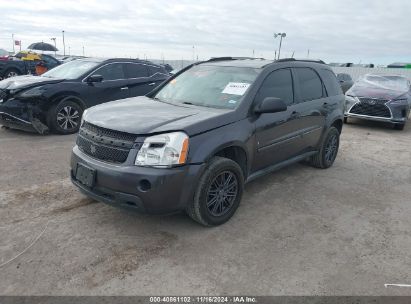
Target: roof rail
{"type": "Point", "coordinates": [303, 60]}
{"type": "Point", "coordinates": [231, 58]}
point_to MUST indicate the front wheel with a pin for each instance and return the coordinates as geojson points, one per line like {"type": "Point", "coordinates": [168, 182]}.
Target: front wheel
{"type": "Point", "coordinates": [218, 193]}
{"type": "Point", "coordinates": [11, 73]}
{"type": "Point", "coordinates": [328, 149]}
{"type": "Point", "coordinates": [65, 117]}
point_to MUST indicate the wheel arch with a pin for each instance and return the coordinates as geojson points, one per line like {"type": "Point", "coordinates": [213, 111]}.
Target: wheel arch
{"type": "Point", "coordinates": [235, 152]}
{"type": "Point", "coordinates": [68, 96]}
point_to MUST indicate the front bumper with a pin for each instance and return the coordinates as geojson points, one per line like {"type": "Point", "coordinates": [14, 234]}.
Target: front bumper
{"type": "Point", "coordinates": [142, 189]}
{"type": "Point", "coordinates": [398, 112]}
{"type": "Point", "coordinates": [22, 115]}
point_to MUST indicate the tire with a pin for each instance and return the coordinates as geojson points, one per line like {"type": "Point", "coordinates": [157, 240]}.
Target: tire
{"type": "Point", "coordinates": [219, 170]}
{"type": "Point", "coordinates": [328, 149]}
{"type": "Point", "coordinates": [11, 73]}
{"type": "Point", "coordinates": [58, 115]}
{"type": "Point", "coordinates": [399, 126]}
{"type": "Point", "coordinates": [345, 120]}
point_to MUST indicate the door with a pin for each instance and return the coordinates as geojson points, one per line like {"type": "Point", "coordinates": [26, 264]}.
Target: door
{"type": "Point", "coordinates": [113, 86]}
{"type": "Point", "coordinates": [312, 106]}
{"type": "Point", "coordinates": [277, 134]}
{"type": "Point", "coordinates": [141, 79]}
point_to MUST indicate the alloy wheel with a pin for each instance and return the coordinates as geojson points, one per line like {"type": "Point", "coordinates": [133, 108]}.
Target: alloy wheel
{"type": "Point", "coordinates": [68, 118]}
{"type": "Point", "coordinates": [11, 74]}
{"type": "Point", "coordinates": [222, 193]}
{"type": "Point", "coordinates": [331, 148]}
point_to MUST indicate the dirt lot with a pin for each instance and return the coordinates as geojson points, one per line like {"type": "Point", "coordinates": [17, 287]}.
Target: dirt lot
{"type": "Point", "coordinates": [341, 231]}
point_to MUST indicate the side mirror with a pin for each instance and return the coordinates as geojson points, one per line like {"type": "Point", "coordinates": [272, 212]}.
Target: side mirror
{"type": "Point", "coordinates": [95, 78]}
{"type": "Point", "coordinates": [271, 105]}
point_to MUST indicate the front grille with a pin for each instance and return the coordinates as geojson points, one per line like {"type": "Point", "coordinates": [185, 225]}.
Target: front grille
{"type": "Point", "coordinates": [99, 131]}
{"type": "Point", "coordinates": [105, 153]}
{"type": "Point", "coordinates": [104, 144]}
{"type": "Point", "coordinates": [376, 108]}
{"type": "Point", "coordinates": [373, 101]}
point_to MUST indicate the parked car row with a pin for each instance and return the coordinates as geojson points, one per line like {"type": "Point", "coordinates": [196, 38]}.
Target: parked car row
{"type": "Point", "coordinates": [26, 63]}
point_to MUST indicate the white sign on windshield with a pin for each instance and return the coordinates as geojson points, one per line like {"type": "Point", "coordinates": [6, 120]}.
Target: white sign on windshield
{"type": "Point", "coordinates": [236, 88]}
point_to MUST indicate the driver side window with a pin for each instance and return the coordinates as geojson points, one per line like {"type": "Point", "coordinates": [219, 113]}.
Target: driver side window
{"type": "Point", "coordinates": [278, 84]}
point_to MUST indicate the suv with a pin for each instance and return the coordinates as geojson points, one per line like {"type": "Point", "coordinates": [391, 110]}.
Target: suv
{"type": "Point", "coordinates": [193, 142]}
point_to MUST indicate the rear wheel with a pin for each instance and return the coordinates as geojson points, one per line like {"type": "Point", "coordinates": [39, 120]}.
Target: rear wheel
{"type": "Point", "coordinates": [11, 73]}
{"type": "Point", "coordinates": [328, 149]}
{"type": "Point", "coordinates": [218, 193]}
{"type": "Point", "coordinates": [64, 117]}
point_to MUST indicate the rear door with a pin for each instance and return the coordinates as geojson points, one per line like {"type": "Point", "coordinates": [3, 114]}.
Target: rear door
{"type": "Point", "coordinates": [114, 85]}
{"type": "Point", "coordinates": [277, 134]}
{"type": "Point", "coordinates": [143, 78]}
{"type": "Point", "coordinates": [312, 105]}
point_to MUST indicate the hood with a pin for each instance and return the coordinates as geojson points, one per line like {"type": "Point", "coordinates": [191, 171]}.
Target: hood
{"type": "Point", "coordinates": [26, 81]}
{"type": "Point", "coordinates": [374, 92]}
{"type": "Point", "coordinates": [143, 115]}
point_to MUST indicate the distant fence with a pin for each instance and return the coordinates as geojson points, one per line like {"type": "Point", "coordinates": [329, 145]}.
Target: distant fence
{"type": "Point", "coordinates": [354, 72]}
{"type": "Point", "coordinates": [357, 72]}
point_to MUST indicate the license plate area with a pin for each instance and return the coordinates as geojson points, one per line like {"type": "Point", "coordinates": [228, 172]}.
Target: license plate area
{"type": "Point", "coordinates": [85, 175]}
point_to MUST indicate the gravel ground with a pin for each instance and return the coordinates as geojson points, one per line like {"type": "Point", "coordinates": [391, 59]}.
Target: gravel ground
{"type": "Point", "coordinates": [298, 231]}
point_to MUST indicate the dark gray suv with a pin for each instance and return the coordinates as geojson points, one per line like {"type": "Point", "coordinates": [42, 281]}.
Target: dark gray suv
{"type": "Point", "coordinates": [193, 142]}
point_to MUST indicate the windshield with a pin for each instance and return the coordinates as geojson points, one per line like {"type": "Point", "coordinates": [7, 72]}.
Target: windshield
{"type": "Point", "coordinates": [71, 70]}
{"type": "Point", "coordinates": [388, 82]}
{"type": "Point", "coordinates": [209, 86]}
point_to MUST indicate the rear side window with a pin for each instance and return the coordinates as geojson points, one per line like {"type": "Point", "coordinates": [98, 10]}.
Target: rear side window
{"type": "Point", "coordinates": [278, 84]}
{"type": "Point", "coordinates": [331, 82]}
{"type": "Point", "coordinates": [113, 71]}
{"type": "Point", "coordinates": [154, 70]}
{"type": "Point", "coordinates": [310, 84]}
{"type": "Point", "coordinates": [136, 70]}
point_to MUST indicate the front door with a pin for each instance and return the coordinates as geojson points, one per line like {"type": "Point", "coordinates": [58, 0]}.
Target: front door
{"type": "Point", "coordinates": [113, 87]}
{"type": "Point", "coordinates": [277, 134]}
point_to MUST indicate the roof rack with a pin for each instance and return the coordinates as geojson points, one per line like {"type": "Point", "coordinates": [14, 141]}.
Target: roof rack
{"type": "Point", "coordinates": [303, 60]}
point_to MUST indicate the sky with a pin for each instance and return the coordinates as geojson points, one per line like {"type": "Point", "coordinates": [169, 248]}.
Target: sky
{"type": "Point", "coordinates": [366, 31]}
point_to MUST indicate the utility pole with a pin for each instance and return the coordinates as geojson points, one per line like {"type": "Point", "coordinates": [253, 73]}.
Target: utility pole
{"type": "Point", "coordinates": [64, 44]}
{"type": "Point", "coordinates": [54, 39]}
{"type": "Point", "coordinates": [83, 51]}
{"type": "Point", "coordinates": [308, 53]}
{"type": "Point", "coordinates": [12, 37]}
{"type": "Point", "coordinates": [193, 53]}
{"type": "Point", "coordinates": [281, 35]}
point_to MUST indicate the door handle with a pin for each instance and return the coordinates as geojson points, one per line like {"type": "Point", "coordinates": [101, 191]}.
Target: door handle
{"type": "Point", "coordinates": [124, 88]}
{"type": "Point", "coordinates": [151, 84]}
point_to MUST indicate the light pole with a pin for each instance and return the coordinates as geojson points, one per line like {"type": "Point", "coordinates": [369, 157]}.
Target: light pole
{"type": "Point", "coordinates": [54, 39]}
{"type": "Point", "coordinates": [64, 44]}
{"type": "Point", "coordinates": [281, 35]}
{"type": "Point", "coordinates": [12, 37]}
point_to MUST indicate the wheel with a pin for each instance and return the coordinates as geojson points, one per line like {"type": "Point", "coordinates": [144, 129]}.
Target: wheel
{"type": "Point", "coordinates": [218, 193]}
{"type": "Point", "coordinates": [11, 73]}
{"type": "Point", "coordinates": [328, 149]}
{"type": "Point", "coordinates": [399, 126]}
{"type": "Point", "coordinates": [64, 117]}
{"type": "Point", "coordinates": [345, 119]}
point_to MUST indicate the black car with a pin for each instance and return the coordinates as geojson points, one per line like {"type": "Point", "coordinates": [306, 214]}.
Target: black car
{"type": "Point", "coordinates": [192, 143]}
{"type": "Point", "coordinates": [381, 98]}
{"type": "Point", "coordinates": [56, 100]}
{"type": "Point", "coordinates": [345, 80]}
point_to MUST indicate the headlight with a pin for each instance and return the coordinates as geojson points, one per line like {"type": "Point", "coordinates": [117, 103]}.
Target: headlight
{"type": "Point", "coordinates": [82, 117]}
{"type": "Point", "coordinates": [163, 150]}
{"type": "Point", "coordinates": [34, 92]}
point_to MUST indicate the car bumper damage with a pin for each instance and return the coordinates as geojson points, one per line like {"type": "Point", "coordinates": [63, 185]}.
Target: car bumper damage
{"type": "Point", "coordinates": [23, 116]}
